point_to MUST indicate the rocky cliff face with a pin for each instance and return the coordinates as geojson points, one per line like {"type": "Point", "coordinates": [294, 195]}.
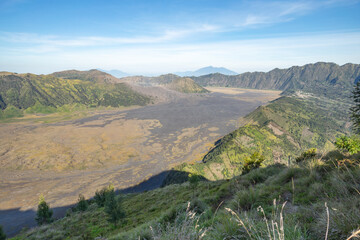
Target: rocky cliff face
{"type": "Point", "coordinates": [320, 78]}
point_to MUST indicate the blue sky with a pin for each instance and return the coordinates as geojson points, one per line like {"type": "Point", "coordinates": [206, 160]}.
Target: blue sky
{"type": "Point", "coordinates": [154, 37]}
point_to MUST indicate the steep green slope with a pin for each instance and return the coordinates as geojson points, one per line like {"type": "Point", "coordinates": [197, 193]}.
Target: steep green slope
{"type": "Point", "coordinates": [91, 75]}
{"type": "Point", "coordinates": [282, 129]}
{"type": "Point", "coordinates": [326, 79]}
{"type": "Point", "coordinates": [185, 85]}
{"type": "Point", "coordinates": [23, 91]}
{"type": "Point", "coordinates": [306, 192]}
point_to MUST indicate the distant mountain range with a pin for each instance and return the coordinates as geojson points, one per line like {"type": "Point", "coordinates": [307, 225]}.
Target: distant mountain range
{"type": "Point", "coordinates": [116, 73]}
{"type": "Point", "coordinates": [205, 71]}
{"type": "Point", "coordinates": [328, 79]}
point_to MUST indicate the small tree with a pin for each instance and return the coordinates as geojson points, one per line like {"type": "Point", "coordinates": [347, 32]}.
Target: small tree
{"type": "Point", "coordinates": [82, 203]}
{"type": "Point", "coordinates": [100, 196]}
{"type": "Point", "coordinates": [114, 208]}
{"type": "Point", "coordinates": [355, 110]}
{"type": "Point", "coordinates": [2, 234]}
{"type": "Point", "coordinates": [44, 213]}
{"type": "Point", "coordinates": [194, 182]}
{"type": "Point", "coordinates": [252, 162]}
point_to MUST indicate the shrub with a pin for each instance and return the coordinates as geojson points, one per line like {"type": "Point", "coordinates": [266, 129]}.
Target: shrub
{"type": "Point", "coordinates": [82, 203]}
{"type": "Point", "coordinates": [184, 228]}
{"type": "Point", "coordinates": [252, 162]}
{"type": "Point", "coordinates": [2, 234]}
{"type": "Point", "coordinates": [44, 213]}
{"type": "Point", "coordinates": [348, 144]}
{"type": "Point", "coordinates": [307, 155]}
{"type": "Point", "coordinates": [114, 208]}
{"type": "Point", "coordinates": [100, 196]}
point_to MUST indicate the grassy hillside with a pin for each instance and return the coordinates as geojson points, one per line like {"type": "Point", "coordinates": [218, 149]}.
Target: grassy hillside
{"type": "Point", "coordinates": [45, 93]}
{"type": "Point", "coordinates": [185, 85]}
{"type": "Point", "coordinates": [91, 75]}
{"type": "Point", "coordinates": [296, 199]}
{"type": "Point", "coordinates": [325, 79]}
{"type": "Point", "coordinates": [282, 129]}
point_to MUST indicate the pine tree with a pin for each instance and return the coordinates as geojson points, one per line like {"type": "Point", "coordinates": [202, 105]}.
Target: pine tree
{"type": "Point", "coordinates": [82, 203]}
{"type": "Point", "coordinates": [113, 208]}
{"type": "Point", "coordinates": [2, 234]}
{"type": "Point", "coordinates": [44, 213]}
{"type": "Point", "coordinates": [355, 110]}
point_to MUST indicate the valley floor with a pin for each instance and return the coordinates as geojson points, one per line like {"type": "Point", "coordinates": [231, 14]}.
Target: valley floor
{"type": "Point", "coordinates": [125, 147]}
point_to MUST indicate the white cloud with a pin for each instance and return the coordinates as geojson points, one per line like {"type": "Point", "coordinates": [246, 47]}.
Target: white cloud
{"type": "Point", "coordinates": [244, 55]}
{"type": "Point", "coordinates": [52, 42]}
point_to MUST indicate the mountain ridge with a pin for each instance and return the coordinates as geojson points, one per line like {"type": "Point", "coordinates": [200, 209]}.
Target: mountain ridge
{"type": "Point", "coordinates": [206, 70]}
{"type": "Point", "coordinates": [328, 79]}
{"type": "Point", "coordinates": [26, 90]}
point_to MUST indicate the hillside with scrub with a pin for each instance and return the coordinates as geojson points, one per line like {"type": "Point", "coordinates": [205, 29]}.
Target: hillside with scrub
{"type": "Point", "coordinates": [316, 198]}
{"type": "Point", "coordinates": [313, 195]}
{"type": "Point", "coordinates": [278, 133]}
{"type": "Point", "coordinates": [30, 93]}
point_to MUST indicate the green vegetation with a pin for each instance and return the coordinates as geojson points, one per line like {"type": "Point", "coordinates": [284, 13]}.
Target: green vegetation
{"type": "Point", "coordinates": [29, 93]}
{"type": "Point", "coordinates": [292, 197]}
{"type": "Point", "coordinates": [100, 196]}
{"type": "Point", "coordinates": [113, 208]}
{"type": "Point", "coordinates": [349, 144]}
{"type": "Point", "coordinates": [91, 76]}
{"type": "Point", "coordinates": [186, 85]}
{"type": "Point", "coordinates": [281, 130]}
{"type": "Point", "coordinates": [252, 162]}
{"type": "Point", "coordinates": [307, 155]}
{"type": "Point", "coordinates": [2, 234]}
{"type": "Point", "coordinates": [82, 203]}
{"type": "Point", "coordinates": [44, 213]}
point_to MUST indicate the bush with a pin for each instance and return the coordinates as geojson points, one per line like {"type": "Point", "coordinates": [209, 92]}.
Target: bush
{"type": "Point", "coordinates": [44, 213]}
{"type": "Point", "coordinates": [348, 144]}
{"type": "Point", "coordinates": [114, 208]}
{"type": "Point", "coordinates": [307, 155]}
{"type": "Point", "coordinates": [2, 234]}
{"type": "Point", "coordinates": [82, 203]}
{"type": "Point", "coordinates": [252, 162]}
{"type": "Point", "coordinates": [100, 196]}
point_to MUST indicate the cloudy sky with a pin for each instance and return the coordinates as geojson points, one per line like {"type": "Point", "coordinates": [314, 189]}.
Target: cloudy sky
{"type": "Point", "coordinates": [154, 37]}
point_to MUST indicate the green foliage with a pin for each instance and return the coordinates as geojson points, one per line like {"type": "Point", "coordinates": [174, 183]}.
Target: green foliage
{"type": "Point", "coordinates": [2, 234]}
{"type": "Point", "coordinates": [252, 162]}
{"type": "Point", "coordinates": [304, 215]}
{"type": "Point", "coordinates": [46, 93]}
{"type": "Point", "coordinates": [355, 110]}
{"type": "Point", "coordinates": [40, 108]}
{"type": "Point", "coordinates": [82, 203]}
{"type": "Point", "coordinates": [348, 144]}
{"type": "Point", "coordinates": [100, 196]}
{"type": "Point", "coordinates": [44, 213]}
{"type": "Point", "coordinates": [284, 128]}
{"type": "Point", "coordinates": [11, 112]}
{"type": "Point", "coordinates": [113, 208]}
{"type": "Point", "coordinates": [307, 155]}
{"type": "Point", "coordinates": [194, 182]}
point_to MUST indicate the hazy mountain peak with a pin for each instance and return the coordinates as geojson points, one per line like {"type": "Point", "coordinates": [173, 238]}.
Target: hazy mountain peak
{"type": "Point", "coordinates": [207, 70]}
{"type": "Point", "coordinates": [115, 73]}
